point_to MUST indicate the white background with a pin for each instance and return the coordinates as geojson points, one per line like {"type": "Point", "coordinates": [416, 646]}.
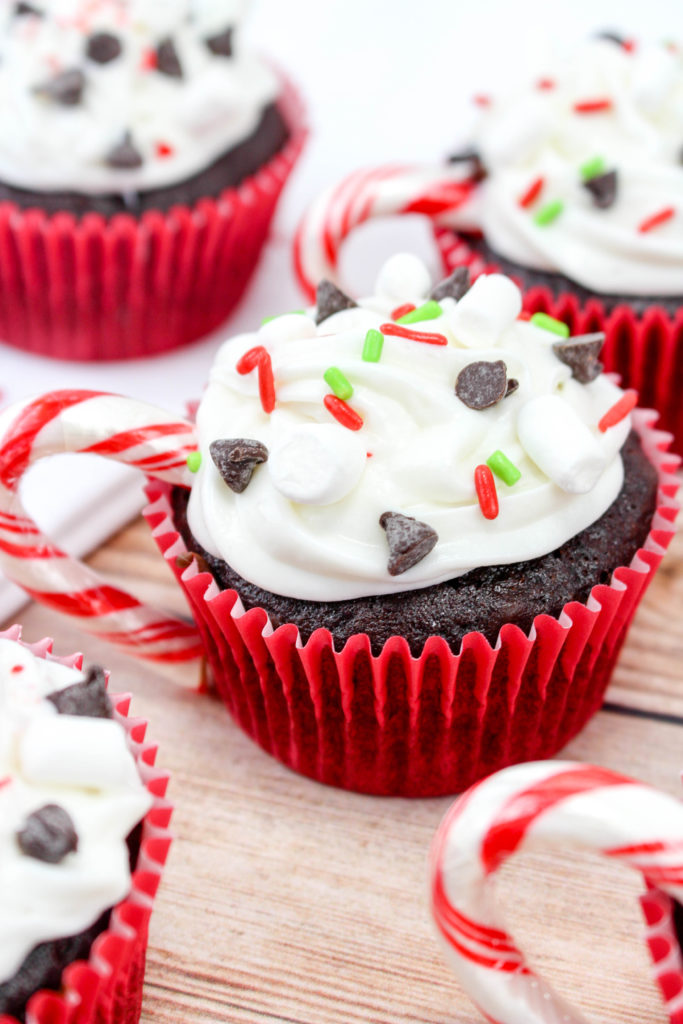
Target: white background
{"type": "Point", "coordinates": [383, 80]}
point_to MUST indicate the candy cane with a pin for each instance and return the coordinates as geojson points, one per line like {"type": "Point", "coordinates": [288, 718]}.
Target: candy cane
{"type": "Point", "coordinates": [127, 431]}
{"type": "Point", "coordinates": [549, 803]}
{"type": "Point", "coordinates": [436, 192]}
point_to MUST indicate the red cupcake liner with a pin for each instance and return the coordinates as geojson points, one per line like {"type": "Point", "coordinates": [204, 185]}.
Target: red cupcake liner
{"type": "Point", "coordinates": [107, 988]}
{"type": "Point", "coordinates": [646, 350]}
{"type": "Point", "coordinates": [394, 724]}
{"type": "Point", "coordinates": [665, 950]}
{"type": "Point", "coordinates": [92, 288]}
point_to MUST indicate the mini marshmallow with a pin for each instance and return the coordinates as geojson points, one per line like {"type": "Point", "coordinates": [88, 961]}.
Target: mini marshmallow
{"type": "Point", "coordinates": [317, 463]}
{"type": "Point", "coordinates": [560, 444]}
{"type": "Point", "coordinates": [492, 304]}
{"type": "Point", "coordinates": [72, 751]}
{"type": "Point", "coordinates": [403, 277]}
{"type": "Point", "coordinates": [288, 327]}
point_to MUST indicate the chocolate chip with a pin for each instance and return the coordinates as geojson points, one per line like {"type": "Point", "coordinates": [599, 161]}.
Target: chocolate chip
{"type": "Point", "coordinates": [65, 88]}
{"type": "Point", "coordinates": [603, 188]}
{"type": "Point", "coordinates": [409, 541]}
{"type": "Point", "coordinates": [124, 155]}
{"type": "Point", "coordinates": [329, 299]}
{"type": "Point", "coordinates": [513, 384]}
{"type": "Point", "coordinates": [48, 834]}
{"type": "Point", "coordinates": [581, 354]}
{"type": "Point", "coordinates": [611, 37]}
{"type": "Point", "coordinates": [236, 459]}
{"type": "Point", "coordinates": [480, 385]}
{"type": "Point", "coordinates": [103, 47]}
{"type": "Point", "coordinates": [221, 43]}
{"type": "Point", "coordinates": [24, 8]}
{"type": "Point", "coordinates": [168, 62]}
{"type": "Point", "coordinates": [87, 699]}
{"type": "Point", "coordinates": [472, 156]}
{"type": "Point", "coordinates": [452, 287]}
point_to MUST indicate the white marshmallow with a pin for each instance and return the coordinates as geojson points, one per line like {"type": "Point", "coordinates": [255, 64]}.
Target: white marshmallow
{"type": "Point", "coordinates": [492, 304]}
{"type": "Point", "coordinates": [288, 327]}
{"type": "Point", "coordinates": [317, 463]}
{"type": "Point", "coordinates": [560, 444]}
{"type": "Point", "coordinates": [71, 750]}
{"type": "Point", "coordinates": [403, 277]}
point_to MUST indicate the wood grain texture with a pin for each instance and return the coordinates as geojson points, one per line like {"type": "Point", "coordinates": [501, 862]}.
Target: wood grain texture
{"type": "Point", "coordinates": [286, 901]}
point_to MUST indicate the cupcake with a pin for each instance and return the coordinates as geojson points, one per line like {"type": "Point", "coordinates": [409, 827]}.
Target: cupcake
{"type": "Point", "coordinates": [142, 152]}
{"type": "Point", "coordinates": [78, 818]}
{"type": "Point", "coordinates": [412, 528]}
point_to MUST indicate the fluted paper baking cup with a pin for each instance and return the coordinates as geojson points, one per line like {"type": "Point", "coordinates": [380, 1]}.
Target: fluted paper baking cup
{"type": "Point", "coordinates": [96, 288]}
{"type": "Point", "coordinates": [646, 350]}
{"type": "Point", "coordinates": [426, 726]}
{"type": "Point", "coordinates": [107, 988]}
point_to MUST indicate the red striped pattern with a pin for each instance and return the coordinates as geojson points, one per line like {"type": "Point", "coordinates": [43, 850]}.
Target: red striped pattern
{"type": "Point", "coordinates": [131, 438]}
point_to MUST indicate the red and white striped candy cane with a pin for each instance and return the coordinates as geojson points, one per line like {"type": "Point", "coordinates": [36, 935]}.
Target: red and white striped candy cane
{"type": "Point", "coordinates": [546, 804]}
{"type": "Point", "coordinates": [436, 192]}
{"type": "Point", "coordinates": [118, 428]}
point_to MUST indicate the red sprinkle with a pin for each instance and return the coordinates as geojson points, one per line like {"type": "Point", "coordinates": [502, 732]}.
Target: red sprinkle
{"type": "Point", "coordinates": [163, 149]}
{"type": "Point", "coordinates": [342, 412]}
{"type": "Point", "coordinates": [481, 100]}
{"type": "Point", "coordinates": [629, 45]}
{"type": "Point", "coordinates": [545, 83]}
{"type": "Point", "coordinates": [17, 668]}
{"type": "Point", "coordinates": [532, 193]}
{"type": "Point", "coordinates": [656, 219]}
{"type": "Point", "coordinates": [593, 106]}
{"type": "Point", "coordinates": [404, 332]}
{"type": "Point", "coordinates": [250, 359]}
{"type": "Point", "coordinates": [524, 315]}
{"type": "Point", "coordinates": [258, 357]}
{"type": "Point", "coordinates": [619, 411]}
{"type": "Point", "coordinates": [400, 311]}
{"type": "Point", "coordinates": [486, 491]}
{"type": "Point", "coordinates": [148, 61]}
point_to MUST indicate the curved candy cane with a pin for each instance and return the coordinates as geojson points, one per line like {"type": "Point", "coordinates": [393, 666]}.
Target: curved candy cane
{"type": "Point", "coordinates": [436, 192]}
{"type": "Point", "coordinates": [550, 803]}
{"type": "Point", "coordinates": [118, 428]}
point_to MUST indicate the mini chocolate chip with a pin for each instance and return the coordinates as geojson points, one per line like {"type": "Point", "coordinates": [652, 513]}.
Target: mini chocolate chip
{"type": "Point", "coordinates": [513, 384]}
{"type": "Point", "coordinates": [24, 8]}
{"type": "Point", "coordinates": [329, 299]}
{"type": "Point", "coordinates": [87, 699]}
{"type": "Point", "coordinates": [168, 62]}
{"type": "Point", "coordinates": [103, 47]}
{"type": "Point", "coordinates": [581, 354]}
{"type": "Point", "coordinates": [480, 385]}
{"type": "Point", "coordinates": [472, 156]}
{"type": "Point", "coordinates": [236, 459]}
{"type": "Point", "coordinates": [409, 541]}
{"type": "Point", "coordinates": [48, 834]}
{"type": "Point", "coordinates": [452, 287]}
{"type": "Point", "coordinates": [221, 43]}
{"type": "Point", "coordinates": [603, 188]}
{"type": "Point", "coordinates": [124, 155]}
{"type": "Point", "coordinates": [611, 37]}
{"type": "Point", "coordinates": [65, 88]}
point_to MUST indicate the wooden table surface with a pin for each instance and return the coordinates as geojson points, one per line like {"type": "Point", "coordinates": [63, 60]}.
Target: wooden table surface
{"type": "Point", "coordinates": [286, 901]}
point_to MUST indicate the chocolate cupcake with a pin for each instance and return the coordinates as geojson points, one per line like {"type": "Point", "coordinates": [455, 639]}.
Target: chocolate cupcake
{"type": "Point", "coordinates": [73, 804]}
{"type": "Point", "coordinates": [154, 148]}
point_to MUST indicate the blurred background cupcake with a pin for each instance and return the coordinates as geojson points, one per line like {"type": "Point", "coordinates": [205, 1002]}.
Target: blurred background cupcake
{"type": "Point", "coordinates": [142, 153]}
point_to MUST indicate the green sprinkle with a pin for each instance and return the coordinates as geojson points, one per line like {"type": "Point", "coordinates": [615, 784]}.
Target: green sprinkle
{"type": "Point", "coordinates": [502, 467]}
{"type": "Point", "coordinates": [338, 383]}
{"type": "Point", "coordinates": [592, 168]}
{"type": "Point", "coordinates": [292, 312]}
{"type": "Point", "coordinates": [194, 461]}
{"type": "Point", "coordinates": [548, 213]}
{"type": "Point", "coordinates": [372, 346]}
{"type": "Point", "coordinates": [427, 311]}
{"type": "Point", "coordinates": [549, 323]}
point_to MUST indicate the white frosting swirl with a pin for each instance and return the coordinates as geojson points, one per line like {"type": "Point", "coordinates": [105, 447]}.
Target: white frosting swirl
{"type": "Point", "coordinates": [81, 764]}
{"type": "Point", "coordinates": [309, 527]}
{"type": "Point", "coordinates": [179, 125]}
{"type": "Point", "coordinates": [533, 132]}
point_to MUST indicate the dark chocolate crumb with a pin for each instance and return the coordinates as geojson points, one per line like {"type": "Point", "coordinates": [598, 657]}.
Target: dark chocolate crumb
{"type": "Point", "coordinates": [124, 155]}
{"type": "Point", "coordinates": [611, 37]}
{"type": "Point", "coordinates": [452, 287]}
{"type": "Point", "coordinates": [168, 62]}
{"type": "Point", "coordinates": [236, 458]}
{"type": "Point", "coordinates": [103, 47]}
{"type": "Point", "coordinates": [221, 43]}
{"type": "Point", "coordinates": [87, 699]}
{"type": "Point", "coordinates": [512, 386]}
{"type": "Point", "coordinates": [409, 541]}
{"type": "Point", "coordinates": [472, 156]}
{"type": "Point", "coordinates": [603, 188]}
{"type": "Point", "coordinates": [329, 299]}
{"type": "Point", "coordinates": [24, 8]}
{"type": "Point", "coordinates": [480, 385]}
{"type": "Point", "coordinates": [581, 353]}
{"type": "Point", "coordinates": [65, 88]}
{"type": "Point", "coordinates": [48, 834]}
